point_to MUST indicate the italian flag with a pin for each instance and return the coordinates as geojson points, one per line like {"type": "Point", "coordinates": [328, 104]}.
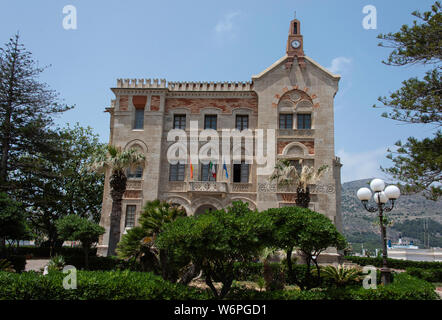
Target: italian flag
{"type": "Point", "coordinates": [212, 169]}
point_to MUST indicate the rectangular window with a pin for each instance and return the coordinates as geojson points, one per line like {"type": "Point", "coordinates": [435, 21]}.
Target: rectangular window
{"type": "Point", "coordinates": [136, 173]}
{"type": "Point", "coordinates": [176, 172]}
{"type": "Point", "coordinates": [206, 173]}
{"type": "Point", "coordinates": [286, 121]}
{"type": "Point", "coordinates": [139, 119]}
{"type": "Point", "coordinates": [241, 172]}
{"type": "Point", "coordinates": [179, 121]}
{"type": "Point", "coordinates": [242, 122]}
{"type": "Point", "coordinates": [130, 216]}
{"type": "Point", "coordinates": [297, 165]}
{"type": "Point", "coordinates": [304, 121]}
{"type": "Point", "coordinates": [210, 121]}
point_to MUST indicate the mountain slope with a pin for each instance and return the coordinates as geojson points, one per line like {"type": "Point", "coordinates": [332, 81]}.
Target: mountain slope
{"type": "Point", "coordinates": [407, 217]}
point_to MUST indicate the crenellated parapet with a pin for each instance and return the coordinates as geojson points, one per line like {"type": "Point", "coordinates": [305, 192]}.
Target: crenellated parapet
{"type": "Point", "coordinates": [210, 86]}
{"type": "Point", "coordinates": [141, 83]}
{"type": "Point", "coordinates": [183, 86]}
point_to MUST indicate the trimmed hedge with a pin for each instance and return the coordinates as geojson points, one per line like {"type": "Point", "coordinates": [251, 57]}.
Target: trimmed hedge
{"type": "Point", "coordinates": [404, 287]}
{"type": "Point", "coordinates": [394, 263]}
{"type": "Point", "coordinates": [430, 275]}
{"type": "Point", "coordinates": [93, 285]}
{"type": "Point", "coordinates": [128, 285]}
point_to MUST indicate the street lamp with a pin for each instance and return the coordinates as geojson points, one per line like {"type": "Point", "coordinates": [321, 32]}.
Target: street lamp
{"type": "Point", "coordinates": [381, 197]}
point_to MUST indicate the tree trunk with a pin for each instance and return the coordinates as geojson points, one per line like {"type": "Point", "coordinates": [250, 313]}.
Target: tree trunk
{"type": "Point", "coordinates": [308, 274]}
{"type": "Point", "coordinates": [117, 183]}
{"type": "Point", "coordinates": [227, 284]}
{"type": "Point", "coordinates": [192, 271]}
{"type": "Point", "coordinates": [292, 275]}
{"type": "Point", "coordinates": [211, 286]}
{"type": "Point", "coordinates": [3, 244]}
{"type": "Point", "coordinates": [115, 219]}
{"type": "Point", "coordinates": [318, 269]}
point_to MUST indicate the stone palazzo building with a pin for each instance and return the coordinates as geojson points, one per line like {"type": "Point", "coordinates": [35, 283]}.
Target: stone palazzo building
{"type": "Point", "coordinates": [294, 96]}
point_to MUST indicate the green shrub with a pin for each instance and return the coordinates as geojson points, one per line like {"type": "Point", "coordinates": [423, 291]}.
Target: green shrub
{"type": "Point", "coordinates": [252, 271]}
{"type": "Point", "coordinates": [57, 263]}
{"type": "Point", "coordinates": [93, 285]}
{"type": "Point", "coordinates": [430, 275]}
{"type": "Point", "coordinates": [6, 265]}
{"type": "Point", "coordinates": [394, 263]}
{"type": "Point", "coordinates": [274, 277]}
{"type": "Point", "coordinates": [404, 287]}
{"type": "Point", "coordinates": [249, 271]}
{"type": "Point", "coordinates": [102, 263]}
{"type": "Point", "coordinates": [18, 262]}
{"type": "Point", "coordinates": [341, 276]}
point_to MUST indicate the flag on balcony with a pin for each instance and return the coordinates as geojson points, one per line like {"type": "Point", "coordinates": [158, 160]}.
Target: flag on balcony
{"type": "Point", "coordinates": [191, 170]}
{"type": "Point", "coordinates": [212, 169]}
{"type": "Point", "coordinates": [225, 169]}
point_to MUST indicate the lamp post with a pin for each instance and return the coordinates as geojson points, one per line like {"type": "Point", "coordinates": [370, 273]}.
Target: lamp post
{"type": "Point", "coordinates": [384, 199]}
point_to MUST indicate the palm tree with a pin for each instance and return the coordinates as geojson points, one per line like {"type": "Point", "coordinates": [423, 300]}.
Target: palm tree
{"type": "Point", "coordinates": [117, 161]}
{"type": "Point", "coordinates": [140, 242]}
{"type": "Point", "coordinates": [341, 276]}
{"type": "Point", "coordinates": [287, 175]}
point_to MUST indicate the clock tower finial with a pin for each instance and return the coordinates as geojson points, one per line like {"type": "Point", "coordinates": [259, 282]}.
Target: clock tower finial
{"type": "Point", "coordinates": [295, 44]}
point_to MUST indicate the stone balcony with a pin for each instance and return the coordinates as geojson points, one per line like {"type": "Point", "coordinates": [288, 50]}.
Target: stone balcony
{"type": "Point", "coordinates": [211, 187]}
{"type": "Point", "coordinates": [302, 133]}
{"type": "Point", "coordinates": [241, 187]}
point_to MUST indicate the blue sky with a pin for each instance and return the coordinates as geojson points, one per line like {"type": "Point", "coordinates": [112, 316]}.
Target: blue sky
{"type": "Point", "coordinates": [220, 41]}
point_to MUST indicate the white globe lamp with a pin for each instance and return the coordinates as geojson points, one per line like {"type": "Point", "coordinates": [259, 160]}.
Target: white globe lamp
{"type": "Point", "coordinates": [364, 194]}
{"type": "Point", "coordinates": [392, 192]}
{"type": "Point", "coordinates": [377, 185]}
{"type": "Point", "coordinates": [380, 196]}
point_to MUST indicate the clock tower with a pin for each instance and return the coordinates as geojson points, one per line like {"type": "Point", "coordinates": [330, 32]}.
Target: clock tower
{"type": "Point", "coordinates": [295, 44]}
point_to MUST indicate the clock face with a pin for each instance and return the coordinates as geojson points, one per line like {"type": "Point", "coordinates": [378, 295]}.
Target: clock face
{"type": "Point", "coordinates": [296, 44]}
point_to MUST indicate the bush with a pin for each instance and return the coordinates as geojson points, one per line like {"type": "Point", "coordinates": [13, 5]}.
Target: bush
{"type": "Point", "coordinates": [93, 285]}
{"type": "Point", "coordinates": [430, 275]}
{"type": "Point", "coordinates": [274, 277]}
{"type": "Point", "coordinates": [102, 263]}
{"type": "Point", "coordinates": [404, 287]}
{"type": "Point", "coordinates": [394, 263]}
{"type": "Point", "coordinates": [250, 271]}
{"type": "Point", "coordinates": [18, 262]}
{"type": "Point", "coordinates": [57, 263]}
{"type": "Point", "coordinates": [215, 240]}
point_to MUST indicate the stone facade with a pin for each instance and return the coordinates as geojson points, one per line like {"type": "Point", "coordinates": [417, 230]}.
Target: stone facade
{"type": "Point", "coordinates": [294, 84]}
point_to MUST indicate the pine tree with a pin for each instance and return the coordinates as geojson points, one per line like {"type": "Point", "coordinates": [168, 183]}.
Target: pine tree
{"type": "Point", "coordinates": [26, 109]}
{"type": "Point", "coordinates": [417, 163]}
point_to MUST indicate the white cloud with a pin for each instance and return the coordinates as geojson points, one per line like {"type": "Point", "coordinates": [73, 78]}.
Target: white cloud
{"type": "Point", "coordinates": [226, 25]}
{"type": "Point", "coordinates": [362, 165]}
{"type": "Point", "coordinates": [340, 65]}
